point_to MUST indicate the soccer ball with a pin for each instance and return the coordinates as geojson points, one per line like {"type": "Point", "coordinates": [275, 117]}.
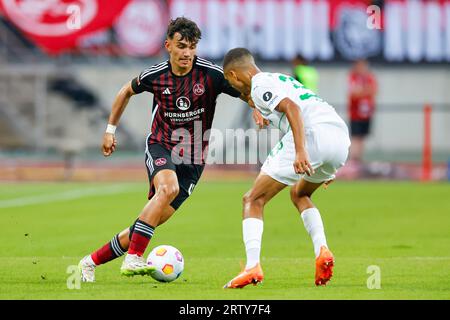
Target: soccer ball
{"type": "Point", "coordinates": [168, 261]}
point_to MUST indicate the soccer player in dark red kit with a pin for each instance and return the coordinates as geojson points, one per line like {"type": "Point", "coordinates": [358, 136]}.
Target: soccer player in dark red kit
{"type": "Point", "coordinates": [185, 88]}
{"type": "Point", "coordinates": [361, 107]}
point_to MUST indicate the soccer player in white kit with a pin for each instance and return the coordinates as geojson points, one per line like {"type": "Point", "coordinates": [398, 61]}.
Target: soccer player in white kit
{"type": "Point", "coordinates": [314, 146]}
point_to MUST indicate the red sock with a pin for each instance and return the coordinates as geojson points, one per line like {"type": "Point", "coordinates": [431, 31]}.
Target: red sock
{"type": "Point", "coordinates": [108, 252]}
{"type": "Point", "coordinates": [142, 233]}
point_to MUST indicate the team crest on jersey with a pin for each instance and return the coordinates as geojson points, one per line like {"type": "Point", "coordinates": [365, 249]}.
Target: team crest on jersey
{"type": "Point", "coordinates": [183, 103]}
{"type": "Point", "coordinates": [198, 89]}
{"type": "Point", "coordinates": [160, 162]}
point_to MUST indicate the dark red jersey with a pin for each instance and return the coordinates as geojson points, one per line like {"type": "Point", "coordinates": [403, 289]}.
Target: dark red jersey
{"type": "Point", "coordinates": [183, 106]}
{"type": "Point", "coordinates": [361, 108]}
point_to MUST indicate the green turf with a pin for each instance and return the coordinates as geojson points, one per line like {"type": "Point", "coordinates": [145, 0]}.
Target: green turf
{"type": "Point", "coordinates": [403, 228]}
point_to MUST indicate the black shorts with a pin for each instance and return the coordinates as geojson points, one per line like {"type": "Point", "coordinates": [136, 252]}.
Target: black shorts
{"type": "Point", "coordinates": [158, 158]}
{"type": "Point", "coordinates": [360, 128]}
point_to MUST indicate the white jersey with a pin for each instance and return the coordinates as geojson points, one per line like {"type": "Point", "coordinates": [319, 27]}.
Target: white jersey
{"type": "Point", "coordinates": [268, 89]}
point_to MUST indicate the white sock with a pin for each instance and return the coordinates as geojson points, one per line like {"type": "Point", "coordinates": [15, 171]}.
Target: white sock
{"type": "Point", "coordinates": [90, 260]}
{"type": "Point", "coordinates": [314, 226]}
{"type": "Point", "coordinates": [252, 230]}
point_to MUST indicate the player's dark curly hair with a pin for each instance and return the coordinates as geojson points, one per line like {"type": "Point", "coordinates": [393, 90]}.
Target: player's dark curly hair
{"type": "Point", "coordinates": [234, 55]}
{"type": "Point", "coordinates": [188, 29]}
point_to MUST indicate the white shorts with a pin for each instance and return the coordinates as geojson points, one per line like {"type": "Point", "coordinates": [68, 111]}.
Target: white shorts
{"type": "Point", "coordinates": [327, 146]}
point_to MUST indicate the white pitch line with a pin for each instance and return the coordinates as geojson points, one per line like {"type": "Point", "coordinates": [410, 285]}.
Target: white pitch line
{"type": "Point", "coordinates": [63, 196]}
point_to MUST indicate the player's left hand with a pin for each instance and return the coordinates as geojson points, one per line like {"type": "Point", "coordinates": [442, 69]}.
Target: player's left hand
{"type": "Point", "coordinates": [258, 118]}
{"type": "Point", "coordinates": [301, 163]}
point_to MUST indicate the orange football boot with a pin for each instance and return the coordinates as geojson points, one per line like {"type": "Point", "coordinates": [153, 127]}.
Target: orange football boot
{"type": "Point", "coordinates": [253, 275]}
{"type": "Point", "coordinates": [324, 266]}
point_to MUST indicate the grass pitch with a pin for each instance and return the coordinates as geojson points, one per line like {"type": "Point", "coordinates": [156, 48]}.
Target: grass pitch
{"type": "Point", "coordinates": [402, 228]}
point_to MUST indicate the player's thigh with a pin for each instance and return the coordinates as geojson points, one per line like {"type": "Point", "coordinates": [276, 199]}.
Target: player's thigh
{"type": "Point", "coordinates": [264, 188]}
{"type": "Point", "coordinates": [161, 170]}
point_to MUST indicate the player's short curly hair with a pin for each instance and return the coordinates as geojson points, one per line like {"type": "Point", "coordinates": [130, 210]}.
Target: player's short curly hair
{"type": "Point", "coordinates": [188, 29]}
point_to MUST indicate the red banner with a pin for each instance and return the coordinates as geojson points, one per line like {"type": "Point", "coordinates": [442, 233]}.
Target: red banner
{"type": "Point", "coordinates": [56, 25]}
{"type": "Point", "coordinates": [142, 26]}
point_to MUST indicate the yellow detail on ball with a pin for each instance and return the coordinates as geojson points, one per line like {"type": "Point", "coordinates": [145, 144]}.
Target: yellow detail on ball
{"type": "Point", "coordinates": [167, 269]}
{"type": "Point", "coordinates": [160, 252]}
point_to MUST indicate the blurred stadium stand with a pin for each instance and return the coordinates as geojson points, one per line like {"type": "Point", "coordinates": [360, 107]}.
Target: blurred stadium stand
{"type": "Point", "coordinates": [15, 47]}
{"type": "Point", "coordinates": [47, 107]}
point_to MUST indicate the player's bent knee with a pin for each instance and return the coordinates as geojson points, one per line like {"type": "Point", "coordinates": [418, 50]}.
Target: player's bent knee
{"type": "Point", "coordinates": [301, 200]}
{"type": "Point", "coordinates": [246, 197]}
{"type": "Point", "coordinates": [250, 199]}
{"type": "Point", "coordinates": [168, 192]}
{"type": "Point", "coordinates": [296, 193]}
{"type": "Point", "coordinates": [293, 194]}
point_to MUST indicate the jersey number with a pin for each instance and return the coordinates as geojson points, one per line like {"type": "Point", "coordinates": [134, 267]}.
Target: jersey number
{"type": "Point", "coordinates": [298, 85]}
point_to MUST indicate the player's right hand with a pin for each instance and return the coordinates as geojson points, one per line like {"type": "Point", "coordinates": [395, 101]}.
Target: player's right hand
{"type": "Point", "coordinates": [109, 144]}
{"type": "Point", "coordinates": [258, 118]}
{"type": "Point", "coordinates": [302, 164]}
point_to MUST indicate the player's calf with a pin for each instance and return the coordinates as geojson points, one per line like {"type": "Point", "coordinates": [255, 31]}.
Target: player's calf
{"type": "Point", "coordinates": [301, 198]}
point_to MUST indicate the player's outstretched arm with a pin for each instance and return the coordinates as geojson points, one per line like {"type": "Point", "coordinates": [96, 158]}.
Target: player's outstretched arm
{"type": "Point", "coordinates": [293, 114]}
{"type": "Point", "coordinates": [119, 105]}
{"type": "Point", "coordinates": [256, 115]}
{"type": "Point", "coordinates": [259, 120]}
